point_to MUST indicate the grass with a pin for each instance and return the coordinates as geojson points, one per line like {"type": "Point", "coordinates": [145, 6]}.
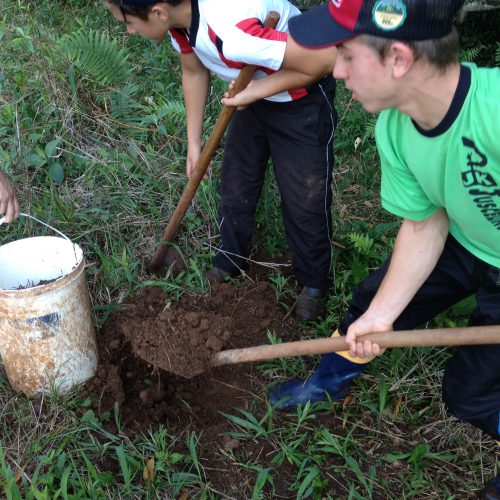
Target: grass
{"type": "Point", "coordinates": [103, 161]}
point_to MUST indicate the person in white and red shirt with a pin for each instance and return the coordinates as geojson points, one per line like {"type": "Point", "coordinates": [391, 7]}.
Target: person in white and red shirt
{"type": "Point", "coordinates": [291, 119]}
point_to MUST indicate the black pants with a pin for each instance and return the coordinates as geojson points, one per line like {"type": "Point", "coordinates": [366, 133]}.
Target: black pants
{"type": "Point", "coordinates": [298, 136]}
{"type": "Point", "coordinates": [471, 381]}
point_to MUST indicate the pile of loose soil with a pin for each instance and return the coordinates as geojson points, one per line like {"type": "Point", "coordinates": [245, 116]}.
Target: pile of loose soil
{"type": "Point", "coordinates": [182, 341]}
{"type": "Point", "coordinates": [144, 347]}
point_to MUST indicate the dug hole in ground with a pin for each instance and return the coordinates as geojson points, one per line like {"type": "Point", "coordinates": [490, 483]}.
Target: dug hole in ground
{"type": "Point", "coordinates": [150, 350]}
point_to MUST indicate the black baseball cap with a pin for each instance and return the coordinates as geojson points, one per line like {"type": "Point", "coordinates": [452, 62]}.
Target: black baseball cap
{"type": "Point", "coordinates": [340, 20]}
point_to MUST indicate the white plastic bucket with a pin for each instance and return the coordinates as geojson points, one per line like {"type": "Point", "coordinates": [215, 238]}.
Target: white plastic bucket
{"type": "Point", "coordinates": [47, 335]}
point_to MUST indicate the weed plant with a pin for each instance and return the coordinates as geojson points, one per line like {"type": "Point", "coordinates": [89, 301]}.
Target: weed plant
{"type": "Point", "coordinates": [98, 152]}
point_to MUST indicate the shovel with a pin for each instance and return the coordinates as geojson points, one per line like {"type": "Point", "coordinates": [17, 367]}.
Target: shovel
{"type": "Point", "coordinates": [474, 335]}
{"type": "Point", "coordinates": [166, 255]}
{"type": "Point", "coordinates": [182, 358]}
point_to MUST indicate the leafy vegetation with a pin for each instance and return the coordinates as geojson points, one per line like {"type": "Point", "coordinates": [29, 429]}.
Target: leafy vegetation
{"type": "Point", "coordinates": [92, 135]}
{"type": "Point", "coordinates": [98, 55]}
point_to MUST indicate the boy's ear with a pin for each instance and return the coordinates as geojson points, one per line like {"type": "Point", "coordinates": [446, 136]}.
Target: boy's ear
{"type": "Point", "coordinates": [160, 10]}
{"type": "Point", "coordinates": [402, 59]}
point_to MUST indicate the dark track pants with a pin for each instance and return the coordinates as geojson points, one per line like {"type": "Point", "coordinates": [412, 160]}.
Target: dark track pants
{"type": "Point", "coordinates": [298, 136]}
{"type": "Point", "coordinates": [471, 381]}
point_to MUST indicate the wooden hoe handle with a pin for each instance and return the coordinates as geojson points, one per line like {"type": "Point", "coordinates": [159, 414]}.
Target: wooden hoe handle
{"type": "Point", "coordinates": [404, 338]}
{"type": "Point", "coordinates": [206, 156]}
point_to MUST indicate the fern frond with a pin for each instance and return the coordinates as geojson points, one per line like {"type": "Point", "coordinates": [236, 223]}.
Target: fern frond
{"type": "Point", "coordinates": [370, 128]}
{"type": "Point", "coordinates": [98, 55]}
{"type": "Point", "coordinates": [471, 55]}
{"type": "Point", "coordinates": [175, 111]}
{"type": "Point", "coordinates": [362, 243]}
{"type": "Point", "coordinates": [122, 102]}
{"type": "Point", "coordinates": [124, 108]}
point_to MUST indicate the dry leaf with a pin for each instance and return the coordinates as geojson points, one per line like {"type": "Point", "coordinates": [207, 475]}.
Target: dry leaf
{"type": "Point", "coordinates": [395, 413]}
{"type": "Point", "coordinates": [148, 474]}
{"type": "Point", "coordinates": [346, 401]}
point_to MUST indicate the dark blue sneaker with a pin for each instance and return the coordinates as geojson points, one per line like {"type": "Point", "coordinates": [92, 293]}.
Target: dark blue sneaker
{"type": "Point", "coordinates": [330, 380]}
{"type": "Point", "coordinates": [491, 490]}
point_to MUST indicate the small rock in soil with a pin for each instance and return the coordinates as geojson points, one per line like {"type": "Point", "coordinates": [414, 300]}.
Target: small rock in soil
{"type": "Point", "coordinates": [231, 444]}
{"type": "Point", "coordinates": [214, 343]}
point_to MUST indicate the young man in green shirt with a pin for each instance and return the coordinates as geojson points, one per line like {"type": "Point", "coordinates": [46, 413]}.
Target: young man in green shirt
{"type": "Point", "coordinates": [437, 137]}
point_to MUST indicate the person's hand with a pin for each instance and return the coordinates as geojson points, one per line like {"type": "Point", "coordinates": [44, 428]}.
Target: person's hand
{"type": "Point", "coordinates": [193, 155]}
{"type": "Point", "coordinates": [354, 338]}
{"type": "Point", "coordinates": [9, 206]}
{"type": "Point", "coordinates": [242, 99]}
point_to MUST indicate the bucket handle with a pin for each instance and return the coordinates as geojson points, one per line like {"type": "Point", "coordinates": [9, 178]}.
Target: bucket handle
{"type": "Point", "coordinates": [43, 224]}
{"type": "Point", "coordinates": [2, 220]}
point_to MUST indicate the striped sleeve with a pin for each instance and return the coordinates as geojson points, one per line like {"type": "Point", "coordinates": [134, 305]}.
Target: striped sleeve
{"type": "Point", "coordinates": [248, 42]}
{"type": "Point", "coordinates": [180, 41]}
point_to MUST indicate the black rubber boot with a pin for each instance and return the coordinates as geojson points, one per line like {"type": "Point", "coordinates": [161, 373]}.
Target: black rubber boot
{"type": "Point", "coordinates": [216, 275]}
{"type": "Point", "coordinates": [491, 490]}
{"type": "Point", "coordinates": [330, 380]}
{"type": "Point", "coordinates": [310, 304]}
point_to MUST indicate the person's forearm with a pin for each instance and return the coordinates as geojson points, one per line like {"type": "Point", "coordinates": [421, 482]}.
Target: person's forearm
{"type": "Point", "coordinates": [312, 63]}
{"type": "Point", "coordinates": [280, 81]}
{"type": "Point", "coordinates": [195, 88]}
{"type": "Point", "coordinates": [417, 249]}
{"type": "Point", "coordinates": [300, 67]}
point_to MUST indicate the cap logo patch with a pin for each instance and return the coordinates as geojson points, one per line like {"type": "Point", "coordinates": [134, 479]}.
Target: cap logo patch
{"type": "Point", "coordinates": [337, 3]}
{"type": "Point", "coordinates": [389, 15]}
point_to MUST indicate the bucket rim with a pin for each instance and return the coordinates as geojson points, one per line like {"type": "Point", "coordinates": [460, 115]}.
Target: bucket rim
{"type": "Point", "coordinates": [54, 284]}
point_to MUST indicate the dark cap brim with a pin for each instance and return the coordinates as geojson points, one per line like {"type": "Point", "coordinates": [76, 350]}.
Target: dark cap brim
{"type": "Point", "coordinates": [316, 28]}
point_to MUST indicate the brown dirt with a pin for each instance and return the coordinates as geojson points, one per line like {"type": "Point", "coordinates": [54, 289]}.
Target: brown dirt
{"type": "Point", "coordinates": [143, 345]}
{"type": "Point", "coordinates": [182, 341]}
{"type": "Point", "coordinates": [152, 333]}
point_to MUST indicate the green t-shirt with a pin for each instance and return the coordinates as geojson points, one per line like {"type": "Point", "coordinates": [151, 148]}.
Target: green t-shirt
{"type": "Point", "coordinates": [455, 166]}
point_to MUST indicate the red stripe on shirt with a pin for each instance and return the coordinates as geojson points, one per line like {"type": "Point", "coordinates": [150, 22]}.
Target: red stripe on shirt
{"type": "Point", "coordinates": [182, 40]}
{"type": "Point", "coordinates": [225, 60]}
{"type": "Point", "coordinates": [299, 93]}
{"type": "Point", "coordinates": [253, 26]}
{"type": "Point", "coordinates": [212, 36]}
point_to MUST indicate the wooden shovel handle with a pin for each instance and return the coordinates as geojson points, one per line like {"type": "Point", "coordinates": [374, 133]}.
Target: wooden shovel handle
{"type": "Point", "coordinates": [206, 156]}
{"type": "Point", "coordinates": [405, 338]}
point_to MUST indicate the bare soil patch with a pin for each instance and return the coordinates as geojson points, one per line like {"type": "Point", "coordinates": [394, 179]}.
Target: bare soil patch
{"type": "Point", "coordinates": [143, 345]}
